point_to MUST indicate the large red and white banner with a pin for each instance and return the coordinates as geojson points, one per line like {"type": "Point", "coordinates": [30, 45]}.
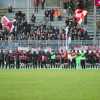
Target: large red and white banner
{"type": "Point", "coordinates": [6, 23]}
{"type": "Point", "coordinates": [97, 2]}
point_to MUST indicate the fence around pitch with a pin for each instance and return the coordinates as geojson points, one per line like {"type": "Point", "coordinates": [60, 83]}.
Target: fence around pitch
{"type": "Point", "coordinates": [54, 44]}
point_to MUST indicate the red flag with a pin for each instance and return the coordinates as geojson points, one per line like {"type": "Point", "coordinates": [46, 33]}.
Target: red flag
{"type": "Point", "coordinates": [7, 23]}
{"type": "Point", "coordinates": [80, 15]}
{"type": "Point", "coordinates": [97, 2]}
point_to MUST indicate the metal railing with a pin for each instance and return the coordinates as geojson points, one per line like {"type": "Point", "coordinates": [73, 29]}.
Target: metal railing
{"type": "Point", "coordinates": [54, 44]}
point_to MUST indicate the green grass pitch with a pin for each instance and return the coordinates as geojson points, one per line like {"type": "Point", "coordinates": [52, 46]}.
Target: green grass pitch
{"type": "Point", "coordinates": [53, 84]}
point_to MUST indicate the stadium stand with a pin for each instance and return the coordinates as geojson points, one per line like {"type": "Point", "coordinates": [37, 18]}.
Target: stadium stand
{"type": "Point", "coordinates": [52, 27]}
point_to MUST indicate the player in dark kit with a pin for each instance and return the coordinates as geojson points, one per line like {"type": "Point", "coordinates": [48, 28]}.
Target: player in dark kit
{"type": "Point", "coordinates": [1, 59]}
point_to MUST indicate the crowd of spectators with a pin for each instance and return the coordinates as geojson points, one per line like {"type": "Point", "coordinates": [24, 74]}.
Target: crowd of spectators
{"type": "Point", "coordinates": [49, 59]}
{"type": "Point", "coordinates": [33, 31]}
{"type": "Point", "coordinates": [51, 14]}
{"type": "Point", "coordinates": [75, 31]}
{"type": "Point", "coordinates": [24, 30]}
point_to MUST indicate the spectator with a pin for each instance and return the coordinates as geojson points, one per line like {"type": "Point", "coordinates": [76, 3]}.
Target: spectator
{"type": "Point", "coordinates": [42, 3]}
{"type": "Point", "coordinates": [65, 3]}
{"type": "Point", "coordinates": [33, 18]}
{"type": "Point", "coordinates": [10, 9]}
{"type": "Point", "coordinates": [36, 4]}
{"type": "Point", "coordinates": [59, 15]}
{"type": "Point", "coordinates": [52, 15]}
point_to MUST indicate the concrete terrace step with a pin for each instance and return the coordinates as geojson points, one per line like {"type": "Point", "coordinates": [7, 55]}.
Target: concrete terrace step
{"type": "Point", "coordinates": [57, 23]}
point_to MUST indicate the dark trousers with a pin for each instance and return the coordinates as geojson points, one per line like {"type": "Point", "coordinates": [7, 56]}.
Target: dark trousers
{"type": "Point", "coordinates": [52, 63]}
{"type": "Point", "coordinates": [7, 64]}
{"type": "Point", "coordinates": [34, 63]}
{"type": "Point", "coordinates": [39, 64]}
{"type": "Point", "coordinates": [36, 8]}
{"type": "Point", "coordinates": [51, 18]}
{"type": "Point", "coordinates": [83, 64]}
{"type": "Point", "coordinates": [93, 63]}
{"type": "Point", "coordinates": [43, 3]}
{"type": "Point", "coordinates": [17, 64]}
{"type": "Point", "coordinates": [44, 64]}
{"type": "Point", "coordinates": [73, 63]}
{"type": "Point", "coordinates": [1, 63]}
{"type": "Point", "coordinates": [11, 64]}
{"type": "Point", "coordinates": [69, 63]}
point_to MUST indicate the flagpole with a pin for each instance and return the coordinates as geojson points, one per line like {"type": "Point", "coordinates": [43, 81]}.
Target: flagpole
{"type": "Point", "coordinates": [14, 3]}
{"type": "Point", "coordinates": [94, 23]}
{"type": "Point", "coordinates": [28, 5]}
